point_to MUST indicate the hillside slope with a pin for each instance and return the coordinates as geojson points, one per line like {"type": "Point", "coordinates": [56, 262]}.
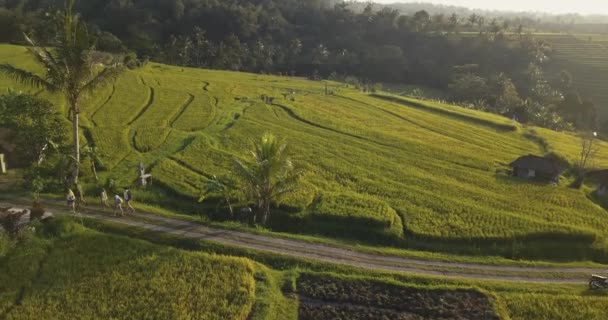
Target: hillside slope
{"type": "Point", "coordinates": [586, 58]}
{"type": "Point", "coordinates": [377, 170]}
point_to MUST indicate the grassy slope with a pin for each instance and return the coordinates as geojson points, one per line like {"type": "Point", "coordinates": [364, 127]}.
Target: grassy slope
{"type": "Point", "coordinates": [429, 168]}
{"type": "Point", "coordinates": [88, 275]}
{"type": "Point", "coordinates": [91, 274]}
{"type": "Point", "coordinates": [518, 301]}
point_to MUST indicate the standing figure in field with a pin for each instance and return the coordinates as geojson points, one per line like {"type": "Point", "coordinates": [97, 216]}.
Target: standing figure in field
{"type": "Point", "coordinates": [71, 199]}
{"type": "Point", "coordinates": [118, 206]}
{"type": "Point", "coordinates": [104, 199]}
{"type": "Point", "coordinates": [128, 200]}
{"type": "Point", "coordinates": [142, 176]}
{"type": "Point", "coordinates": [80, 196]}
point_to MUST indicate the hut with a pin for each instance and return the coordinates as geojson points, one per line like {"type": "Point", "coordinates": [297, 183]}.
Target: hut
{"type": "Point", "coordinates": [536, 167]}
{"type": "Point", "coordinates": [601, 176]}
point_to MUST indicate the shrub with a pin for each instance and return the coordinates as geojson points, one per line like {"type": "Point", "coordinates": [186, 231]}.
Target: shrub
{"type": "Point", "coordinates": [37, 211]}
{"type": "Point", "coordinates": [62, 227]}
{"type": "Point", "coordinates": [5, 243]}
{"type": "Point", "coordinates": [353, 215]}
{"type": "Point", "coordinates": [290, 282]}
{"type": "Point", "coordinates": [10, 222]}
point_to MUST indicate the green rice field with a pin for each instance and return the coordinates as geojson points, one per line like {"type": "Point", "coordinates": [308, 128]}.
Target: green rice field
{"type": "Point", "coordinates": [398, 170]}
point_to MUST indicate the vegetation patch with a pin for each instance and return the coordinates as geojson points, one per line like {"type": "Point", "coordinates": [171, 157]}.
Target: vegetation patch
{"type": "Point", "coordinates": [95, 275]}
{"type": "Point", "coordinates": [148, 139]}
{"type": "Point", "coordinates": [331, 297]}
{"type": "Point", "coordinates": [477, 117]}
{"type": "Point", "coordinates": [442, 172]}
{"type": "Point", "coordinates": [353, 215]}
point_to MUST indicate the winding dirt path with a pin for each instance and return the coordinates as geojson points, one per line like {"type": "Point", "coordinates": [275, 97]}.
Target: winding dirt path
{"type": "Point", "coordinates": [335, 254]}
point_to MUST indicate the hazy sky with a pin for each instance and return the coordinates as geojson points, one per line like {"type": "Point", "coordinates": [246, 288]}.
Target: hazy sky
{"type": "Point", "coordinates": [552, 6]}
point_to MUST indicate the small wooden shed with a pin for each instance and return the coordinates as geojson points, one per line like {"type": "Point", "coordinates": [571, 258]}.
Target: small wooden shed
{"type": "Point", "coordinates": [537, 167]}
{"type": "Point", "coordinates": [601, 176]}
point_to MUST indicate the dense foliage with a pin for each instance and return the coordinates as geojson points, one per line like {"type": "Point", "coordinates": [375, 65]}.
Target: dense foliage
{"type": "Point", "coordinates": [70, 68]}
{"type": "Point", "coordinates": [34, 124]}
{"type": "Point", "coordinates": [488, 65]}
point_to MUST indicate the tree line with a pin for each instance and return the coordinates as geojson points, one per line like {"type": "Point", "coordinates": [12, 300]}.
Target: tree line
{"type": "Point", "coordinates": [483, 63]}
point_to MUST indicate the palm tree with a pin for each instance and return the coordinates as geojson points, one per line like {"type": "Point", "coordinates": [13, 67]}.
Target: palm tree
{"type": "Point", "coordinates": [70, 69]}
{"type": "Point", "coordinates": [269, 176]}
{"type": "Point", "coordinates": [223, 187]}
{"type": "Point", "coordinates": [94, 158]}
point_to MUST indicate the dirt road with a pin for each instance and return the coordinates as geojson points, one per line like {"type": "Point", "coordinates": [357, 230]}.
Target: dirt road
{"type": "Point", "coordinates": [339, 255]}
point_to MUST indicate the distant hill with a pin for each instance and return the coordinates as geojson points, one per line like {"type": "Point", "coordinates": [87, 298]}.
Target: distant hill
{"type": "Point", "coordinates": [586, 58]}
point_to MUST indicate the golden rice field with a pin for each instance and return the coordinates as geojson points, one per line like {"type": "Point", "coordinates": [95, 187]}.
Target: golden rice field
{"type": "Point", "coordinates": [83, 274]}
{"type": "Point", "coordinates": [405, 170]}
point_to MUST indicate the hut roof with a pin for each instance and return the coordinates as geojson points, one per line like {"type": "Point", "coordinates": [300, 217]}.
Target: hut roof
{"type": "Point", "coordinates": [537, 163]}
{"type": "Point", "coordinates": [598, 174]}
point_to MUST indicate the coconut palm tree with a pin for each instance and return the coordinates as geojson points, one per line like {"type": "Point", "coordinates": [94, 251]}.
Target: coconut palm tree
{"type": "Point", "coordinates": [71, 69]}
{"type": "Point", "coordinates": [224, 187]}
{"type": "Point", "coordinates": [269, 176]}
{"type": "Point", "coordinates": [91, 153]}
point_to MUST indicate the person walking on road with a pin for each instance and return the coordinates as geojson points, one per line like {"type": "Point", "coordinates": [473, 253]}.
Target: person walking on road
{"type": "Point", "coordinates": [71, 199]}
{"type": "Point", "coordinates": [80, 196]}
{"type": "Point", "coordinates": [118, 206]}
{"type": "Point", "coordinates": [128, 200]}
{"type": "Point", "coordinates": [104, 199]}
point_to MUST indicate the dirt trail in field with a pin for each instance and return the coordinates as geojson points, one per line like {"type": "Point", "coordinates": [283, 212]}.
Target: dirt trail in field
{"type": "Point", "coordinates": [338, 255]}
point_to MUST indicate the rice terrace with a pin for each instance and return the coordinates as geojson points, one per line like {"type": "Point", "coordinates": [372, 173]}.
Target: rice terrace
{"type": "Point", "coordinates": [261, 193]}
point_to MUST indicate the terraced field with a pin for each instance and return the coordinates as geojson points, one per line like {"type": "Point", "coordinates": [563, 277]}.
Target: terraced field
{"type": "Point", "coordinates": [586, 58]}
{"type": "Point", "coordinates": [76, 273]}
{"type": "Point", "coordinates": [378, 168]}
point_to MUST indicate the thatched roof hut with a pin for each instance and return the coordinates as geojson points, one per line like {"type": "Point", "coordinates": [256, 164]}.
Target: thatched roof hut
{"type": "Point", "coordinates": [601, 177]}
{"type": "Point", "coordinates": [532, 166]}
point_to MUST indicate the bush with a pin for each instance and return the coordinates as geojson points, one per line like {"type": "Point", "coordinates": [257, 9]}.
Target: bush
{"type": "Point", "coordinates": [37, 211]}
{"type": "Point", "coordinates": [5, 243]}
{"type": "Point", "coordinates": [10, 223]}
{"type": "Point", "coordinates": [61, 227]}
{"type": "Point", "coordinates": [357, 216]}
{"type": "Point", "coordinates": [290, 282]}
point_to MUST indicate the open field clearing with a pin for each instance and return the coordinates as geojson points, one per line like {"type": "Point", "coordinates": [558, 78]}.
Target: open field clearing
{"type": "Point", "coordinates": [395, 171]}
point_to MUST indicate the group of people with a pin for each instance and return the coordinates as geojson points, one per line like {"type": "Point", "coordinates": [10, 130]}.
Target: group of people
{"type": "Point", "coordinates": [120, 204]}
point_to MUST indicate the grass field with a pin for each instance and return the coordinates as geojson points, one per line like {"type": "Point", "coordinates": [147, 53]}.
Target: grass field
{"type": "Point", "coordinates": [330, 289]}
{"type": "Point", "coordinates": [78, 273]}
{"type": "Point", "coordinates": [67, 271]}
{"type": "Point", "coordinates": [420, 174]}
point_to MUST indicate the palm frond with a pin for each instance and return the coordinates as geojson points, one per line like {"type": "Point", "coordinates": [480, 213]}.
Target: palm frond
{"type": "Point", "coordinates": [107, 75]}
{"type": "Point", "coordinates": [26, 77]}
{"type": "Point", "coordinates": [54, 72]}
{"type": "Point", "coordinates": [42, 55]}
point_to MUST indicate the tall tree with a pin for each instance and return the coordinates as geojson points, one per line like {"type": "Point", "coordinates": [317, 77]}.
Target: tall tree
{"type": "Point", "coordinates": [70, 68]}
{"type": "Point", "coordinates": [589, 149]}
{"type": "Point", "coordinates": [34, 124]}
{"type": "Point", "coordinates": [270, 175]}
